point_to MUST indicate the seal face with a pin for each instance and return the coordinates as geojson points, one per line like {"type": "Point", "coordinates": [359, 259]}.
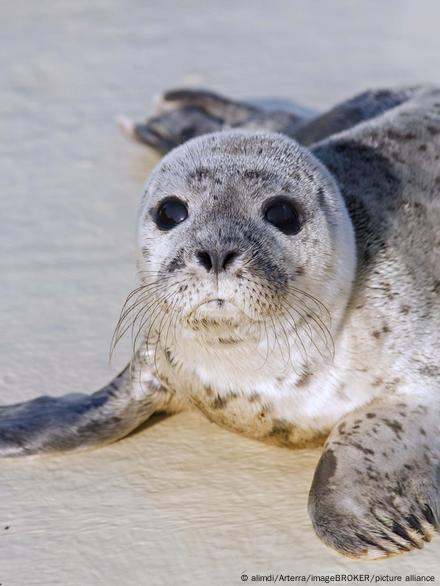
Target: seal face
{"type": "Point", "coordinates": [291, 295]}
{"type": "Point", "coordinates": [257, 252]}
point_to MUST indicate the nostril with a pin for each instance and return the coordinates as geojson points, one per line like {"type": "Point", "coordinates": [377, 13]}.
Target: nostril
{"type": "Point", "coordinates": [214, 260]}
{"type": "Point", "coordinates": [204, 259]}
{"type": "Point", "coordinates": [228, 258]}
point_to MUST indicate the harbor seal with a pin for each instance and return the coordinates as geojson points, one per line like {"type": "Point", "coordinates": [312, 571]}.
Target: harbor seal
{"type": "Point", "coordinates": [291, 294]}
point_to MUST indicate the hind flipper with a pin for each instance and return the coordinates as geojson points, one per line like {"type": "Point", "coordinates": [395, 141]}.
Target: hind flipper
{"type": "Point", "coordinates": [187, 113]}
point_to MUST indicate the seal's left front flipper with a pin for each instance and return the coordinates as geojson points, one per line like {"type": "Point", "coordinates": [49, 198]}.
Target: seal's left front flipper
{"type": "Point", "coordinates": [376, 488]}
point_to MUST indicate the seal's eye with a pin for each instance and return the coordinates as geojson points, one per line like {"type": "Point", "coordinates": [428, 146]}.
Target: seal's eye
{"type": "Point", "coordinates": [281, 213]}
{"type": "Point", "coordinates": [171, 211]}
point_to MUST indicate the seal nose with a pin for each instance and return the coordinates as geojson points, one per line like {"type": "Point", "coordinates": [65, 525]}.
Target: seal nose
{"type": "Point", "coordinates": [215, 260]}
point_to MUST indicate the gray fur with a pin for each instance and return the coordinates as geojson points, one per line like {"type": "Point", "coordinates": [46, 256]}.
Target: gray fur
{"type": "Point", "coordinates": [376, 488]}
{"type": "Point", "coordinates": [79, 421]}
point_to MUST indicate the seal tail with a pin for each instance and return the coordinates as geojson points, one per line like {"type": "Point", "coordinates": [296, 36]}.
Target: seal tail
{"type": "Point", "coordinates": [79, 421]}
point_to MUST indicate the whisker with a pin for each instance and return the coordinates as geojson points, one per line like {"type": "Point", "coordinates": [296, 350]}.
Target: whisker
{"type": "Point", "coordinates": [154, 319]}
{"type": "Point", "coordinates": [297, 335]}
{"type": "Point", "coordinates": [125, 313]}
{"type": "Point", "coordinates": [145, 295]}
{"type": "Point", "coordinates": [319, 322]}
{"type": "Point", "coordinates": [165, 314]}
{"type": "Point", "coordinates": [324, 332]}
{"type": "Point", "coordinates": [145, 318]}
{"type": "Point", "coordinates": [312, 298]}
{"type": "Point", "coordinates": [120, 328]}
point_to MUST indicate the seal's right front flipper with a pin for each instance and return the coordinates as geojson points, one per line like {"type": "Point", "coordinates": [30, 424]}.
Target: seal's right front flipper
{"type": "Point", "coordinates": [187, 113]}
{"type": "Point", "coordinates": [80, 421]}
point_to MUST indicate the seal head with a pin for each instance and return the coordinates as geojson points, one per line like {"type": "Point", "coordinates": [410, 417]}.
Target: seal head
{"type": "Point", "coordinates": [242, 231]}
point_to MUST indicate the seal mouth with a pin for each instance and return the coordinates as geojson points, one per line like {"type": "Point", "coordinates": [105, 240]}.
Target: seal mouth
{"type": "Point", "coordinates": [218, 308]}
{"type": "Point", "coordinates": [219, 315]}
{"type": "Point", "coordinates": [214, 301]}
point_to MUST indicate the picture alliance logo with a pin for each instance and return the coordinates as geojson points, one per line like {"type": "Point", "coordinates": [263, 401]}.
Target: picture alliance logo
{"type": "Point", "coordinates": [336, 578]}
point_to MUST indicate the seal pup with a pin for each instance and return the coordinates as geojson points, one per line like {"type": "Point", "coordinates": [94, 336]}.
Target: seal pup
{"type": "Point", "coordinates": [290, 294]}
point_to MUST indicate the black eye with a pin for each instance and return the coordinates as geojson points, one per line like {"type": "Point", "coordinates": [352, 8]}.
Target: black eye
{"type": "Point", "coordinates": [171, 211]}
{"type": "Point", "coordinates": [281, 213]}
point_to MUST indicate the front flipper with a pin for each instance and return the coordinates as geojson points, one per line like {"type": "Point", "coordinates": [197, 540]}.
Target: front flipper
{"type": "Point", "coordinates": [376, 488]}
{"type": "Point", "coordinates": [80, 421]}
{"type": "Point", "coordinates": [185, 114]}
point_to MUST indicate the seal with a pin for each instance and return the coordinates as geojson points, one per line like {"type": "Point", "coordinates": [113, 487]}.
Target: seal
{"type": "Point", "coordinates": [290, 294]}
